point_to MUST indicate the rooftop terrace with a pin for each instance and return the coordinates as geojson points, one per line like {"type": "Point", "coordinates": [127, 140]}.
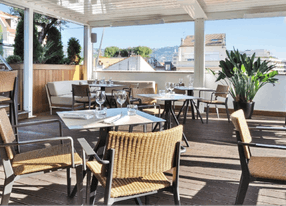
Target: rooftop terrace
{"type": "Point", "coordinates": [209, 172]}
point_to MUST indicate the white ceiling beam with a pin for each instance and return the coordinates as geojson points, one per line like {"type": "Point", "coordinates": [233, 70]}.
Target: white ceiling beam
{"type": "Point", "coordinates": [43, 9]}
{"type": "Point", "coordinates": [193, 8]}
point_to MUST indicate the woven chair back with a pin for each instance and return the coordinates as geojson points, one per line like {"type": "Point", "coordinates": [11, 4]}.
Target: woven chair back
{"type": "Point", "coordinates": [141, 154]}
{"type": "Point", "coordinates": [222, 88]}
{"type": "Point", "coordinates": [7, 79]}
{"type": "Point", "coordinates": [177, 91]}
{"type": "Point", "coordinates": [80, 90]}
{"type": "Point", "coordinates": [240, 124]}
{"type": "Point", "coordinates": [145, 100]}
{"type": "Point", "coordinates": [6, 132]}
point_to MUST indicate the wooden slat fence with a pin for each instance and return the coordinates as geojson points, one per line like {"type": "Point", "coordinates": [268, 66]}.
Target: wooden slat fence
{"type": "Point", "coordinates": [42, 74]}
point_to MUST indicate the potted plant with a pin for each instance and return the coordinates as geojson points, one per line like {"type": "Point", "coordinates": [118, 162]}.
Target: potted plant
{"type": "Point", "coordinates": [245, 76]}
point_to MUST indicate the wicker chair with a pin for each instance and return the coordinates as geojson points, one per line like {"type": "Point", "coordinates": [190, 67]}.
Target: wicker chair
{"type": "Point", "coordinates": [221, 91]}
{"type": "Point", "coordinates": [133, 165]}
{"type": "Point", "coordinates": [9, 85]}
{"type": "Point", "coordinates": [255, 168]}
{"type": "Point", "coordinates": [81, 94]}
{"type": "Point", "coordinates": [35, 162]}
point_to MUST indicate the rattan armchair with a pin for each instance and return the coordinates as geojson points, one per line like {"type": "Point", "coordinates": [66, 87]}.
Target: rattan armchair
{"type": "Point", "coordinates": [221, 92]}
{"type": "Point", "coordinates": [256, 168]}
{"type": "Point", "coordinates": [35, 162]}
{"type": "Point", "coordinates": [81, 94]}
{"type": "Point", "coordinates": [133, 165]}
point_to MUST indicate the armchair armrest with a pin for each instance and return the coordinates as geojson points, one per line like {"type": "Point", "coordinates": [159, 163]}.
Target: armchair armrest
{"type": "Point", "coordinates": [269, 146]}
{"type": "Point", "coordinates": [42, 122]}
{"type": "Point", "coordinates": [86, 149]}
{"type": "Point", "coordinates": [37, 141]}
{"type": "Point", "coordinates": [132, 100]}
{"type": "Point", "coordinates": [209, 90]}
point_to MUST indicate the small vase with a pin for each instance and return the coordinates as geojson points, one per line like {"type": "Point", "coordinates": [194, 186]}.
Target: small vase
{"type": "Point", "coordinates": [247, 108]}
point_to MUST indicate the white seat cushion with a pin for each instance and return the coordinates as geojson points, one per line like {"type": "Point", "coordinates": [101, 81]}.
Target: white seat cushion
{"type": "Point", "coordinates": [62, 87]}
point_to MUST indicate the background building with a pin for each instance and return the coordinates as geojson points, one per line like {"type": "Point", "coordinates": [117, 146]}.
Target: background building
{"type": "Point", "coordinates": [266, 55]}
{"type": "Point", "coordinates": [215, 50]}
{"type": "Point", "coordinates": [8, 24]}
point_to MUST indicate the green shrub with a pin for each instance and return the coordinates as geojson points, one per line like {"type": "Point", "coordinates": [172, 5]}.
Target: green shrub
{"type": "Point", "coordinates": [54, 36]}
{"type": "Point", "coordinates": [19, 42]}
{"type": "Point", "coordinates": [74, 50]}
{"type": "Point", "coordinates": [13, 59]}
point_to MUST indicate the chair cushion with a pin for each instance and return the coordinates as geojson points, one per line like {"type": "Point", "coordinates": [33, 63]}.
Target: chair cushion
{"type": "Point", "coordinates": [268, 167]}
{"type": "Point", "coordinates": [130, 186]}
{"type": "Point", "coordinates": [67, 99]}
{"type": "Point", "coordinates": [49, 158]}
{"type": "Point", "coordinates": [3, 98]}
{"type": "Point", "coordinates": [153, 111]}
{"type": "Point", "coordinates": [84, 99]}
{"type": "Point", "coordinates": [62, 87]}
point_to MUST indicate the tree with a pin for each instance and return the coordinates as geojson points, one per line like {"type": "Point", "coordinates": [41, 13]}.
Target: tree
{"type": "Point", "coordinates": [19, 42]}
{"type": "Point", "coordinates": [110, 51]}
{"type": "Point", "coordinates": [143, 51]}
{"type": "Point", "coordinates": [74, 50]}
{"type": "Point", "coordinates": [42, 21]}
{"type": "Point", "coordinates": [54, 36]}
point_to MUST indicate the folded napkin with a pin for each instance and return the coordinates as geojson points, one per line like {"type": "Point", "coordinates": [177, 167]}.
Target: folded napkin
{"type": "Point", "coordinates": [112, 119]}
{"type": "Point", "coordinates": [78, 116]}
{"type": "Point", "coordinates": [122, 120]}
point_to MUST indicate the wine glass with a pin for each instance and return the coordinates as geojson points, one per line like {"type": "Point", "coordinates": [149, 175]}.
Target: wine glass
{"type": "Point", "coordinates": [100, 98]}
{"type": "Point", "coordinates": [120, 97]}
{"type": "Point", "coordinates": [172, 87]}
{"type": "Point", "coordinates": [167, 86]}
{"type": "Point", "coordinates": [180, 81]}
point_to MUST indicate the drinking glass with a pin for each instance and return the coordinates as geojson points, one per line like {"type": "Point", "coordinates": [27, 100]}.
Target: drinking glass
{"type": "Point", "coordinates": [167, 86]}
{"type": "Point", "coordinates": [120, 97]}
{"type": "Point", "coordinates": [102, 81]}
{"type": "Point", "coordinates": [110, 81]}
{"type": "Point", "coordinates": [172, 86]}
{"type": "Point", "coordinates": [180, 81]}
{"type": "Point", "coordinates": [131, 109]}
{"type": "Point", "coordinates": [100, 98]}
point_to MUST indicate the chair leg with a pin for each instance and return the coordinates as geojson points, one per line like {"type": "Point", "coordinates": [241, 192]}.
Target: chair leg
{"type": "Point", "coordinates": [242, 189]}
{"type": "Point", "coordinates": [176, 196]}
{"type": "Point", "coordinates": [69, 181]}
{"type": "Point", "coordinates": [79, 183]}
{"type": "Point", "coordinates": [207, 114]}
{"type": "Point", "coordinates": [216, 109]}
{"type": "Point", "coordinates": [93, 188]}
{"type": "Point", "coordinates": [227, 112]}
{"type": "Point", "coordinates": [8, 185]}
{"type": "Point", "coordinates": [138, 201]}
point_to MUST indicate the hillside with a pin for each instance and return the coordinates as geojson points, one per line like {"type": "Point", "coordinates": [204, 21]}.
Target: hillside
{"type": "Point", "coordinates": [164, 53]}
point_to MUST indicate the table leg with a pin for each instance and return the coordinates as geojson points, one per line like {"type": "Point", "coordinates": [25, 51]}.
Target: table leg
{"type": "Point", "coordinates": [168, 107]}
{"type": "Point", "coordinates": [186, 111]}
{"type": "Point", "coordinates": [198, 112]}
{"type": "Point", "coordinates": [192, 107]}
{"type": "Point", "coordinates": [177, 122]}
{"type": "Point", "coordinates": [178, 116]}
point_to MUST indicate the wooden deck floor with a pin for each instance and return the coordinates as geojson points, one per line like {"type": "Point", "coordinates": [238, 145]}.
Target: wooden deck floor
{"type": "Point", "coordinates": [209, 172]}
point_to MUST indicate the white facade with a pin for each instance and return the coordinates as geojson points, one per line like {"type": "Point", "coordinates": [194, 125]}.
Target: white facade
{"type": "Point", "coordinates": [133, 63]}
{"type": "Point", "coordinates": [215, 50]}
{"type": "Point", "coordinates": [8, 24]}
{"type": "Point", "coordinates": [266, 55]}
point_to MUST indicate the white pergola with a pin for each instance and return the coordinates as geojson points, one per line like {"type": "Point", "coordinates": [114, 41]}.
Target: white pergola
{"type": "Point", "coordinates": [114, 13]}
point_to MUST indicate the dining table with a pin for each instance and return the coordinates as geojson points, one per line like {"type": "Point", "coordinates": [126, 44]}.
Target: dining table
{"type": "Point", "coordinates": [168, 109]}
{"type": "Point", "coordinates": [190, 102]}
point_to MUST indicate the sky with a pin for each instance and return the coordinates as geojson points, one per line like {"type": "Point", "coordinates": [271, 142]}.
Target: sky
{"type": "Point", "coordinates": [243, 34]}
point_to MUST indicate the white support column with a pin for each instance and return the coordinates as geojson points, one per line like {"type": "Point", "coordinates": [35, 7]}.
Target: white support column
{"type": "Point", "coordinates": [87, 53]}
{"type": "Point", "coordinates": [199, 70]}
{"type": "Point", "coordinates": [28, 62]}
